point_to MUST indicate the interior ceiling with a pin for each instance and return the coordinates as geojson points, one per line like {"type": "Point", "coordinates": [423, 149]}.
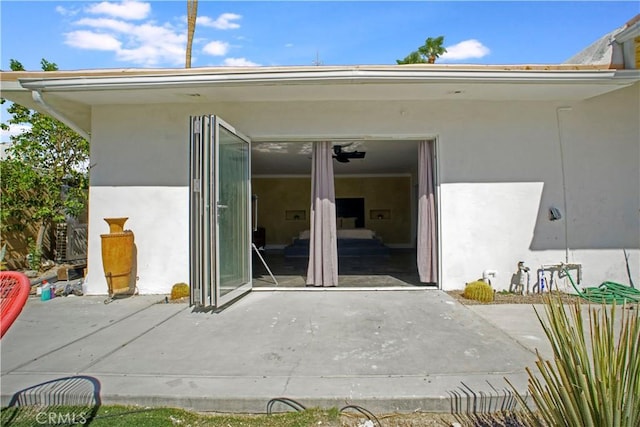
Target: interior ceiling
{"type": "Point", "coordinates": [294, 158]}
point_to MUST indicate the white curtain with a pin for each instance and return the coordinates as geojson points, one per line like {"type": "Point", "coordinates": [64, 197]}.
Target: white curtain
{"type": "Point", "coordinates": [323, 244]}
{"type": "Point", "coordinates": [427, 243]}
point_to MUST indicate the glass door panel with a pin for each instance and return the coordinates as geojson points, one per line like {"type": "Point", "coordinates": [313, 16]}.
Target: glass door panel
{"type": "Point", "coordinates": [219, 225]}
{"type": "Point", "coordinates": [233, 222]}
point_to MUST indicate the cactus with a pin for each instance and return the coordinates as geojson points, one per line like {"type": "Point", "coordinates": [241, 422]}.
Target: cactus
{"type": "Point", "coordinates": [479, 291]}
{"type": "Point", "coordinates": [179, 290]}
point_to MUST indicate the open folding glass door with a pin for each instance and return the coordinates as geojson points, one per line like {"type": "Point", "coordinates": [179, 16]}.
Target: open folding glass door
{"type": "Point", "coordinates": [220, 212]}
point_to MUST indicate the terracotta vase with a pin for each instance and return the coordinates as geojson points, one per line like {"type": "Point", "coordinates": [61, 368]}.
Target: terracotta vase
{"type": "Point", "coordinates": [117, 256]}
{"type": "Point", "coordinates": [116, 225]}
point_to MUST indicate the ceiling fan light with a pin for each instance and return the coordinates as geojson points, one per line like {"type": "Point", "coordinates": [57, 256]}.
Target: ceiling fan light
{"type": "Point", "coordinates": [345, 156]}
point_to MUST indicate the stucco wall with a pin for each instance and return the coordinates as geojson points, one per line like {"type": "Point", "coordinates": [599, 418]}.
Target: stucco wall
{"type": "Point", "coordinates": [159, 219]}
{"type": "Point", "coordinates": [139, 170]}
{"type": "Point", "coordinates": [500, 167]}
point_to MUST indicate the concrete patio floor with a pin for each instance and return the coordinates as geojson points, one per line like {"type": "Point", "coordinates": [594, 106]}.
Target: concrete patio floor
{"type": "Point", "coordinates": [386, 350]}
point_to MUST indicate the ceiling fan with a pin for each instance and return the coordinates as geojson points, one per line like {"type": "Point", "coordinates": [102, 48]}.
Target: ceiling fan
{"type": "Point", "coordinates": [345, 156]}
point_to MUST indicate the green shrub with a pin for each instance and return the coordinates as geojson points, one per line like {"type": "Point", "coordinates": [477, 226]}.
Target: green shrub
{"type": "Point", "coordinates": [34, 257]}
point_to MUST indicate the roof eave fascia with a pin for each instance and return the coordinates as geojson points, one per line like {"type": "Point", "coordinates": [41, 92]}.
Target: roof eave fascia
{"type": "Point", "coordinates": [628, 33]}
{"type": "Point", "coordinates": [12, 86]}
{"type": "Point", "coordinates": [628, 77]}
{"type": "Point", "coordinates": [306, 77]}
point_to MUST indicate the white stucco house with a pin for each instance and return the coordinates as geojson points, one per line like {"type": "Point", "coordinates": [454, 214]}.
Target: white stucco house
{"type": "Point", "coordinates": [533, 163]}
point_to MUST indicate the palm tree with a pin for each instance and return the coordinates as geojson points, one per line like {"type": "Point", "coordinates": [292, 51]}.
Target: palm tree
{"type": "Point", "coordinates": [427, 53]}
{"type": "Point", "coordinates": [192, 13]}
{"type": "Point", "coordinates": [413, 58]}
{"type": "Point", "coordinates": [432, 49]}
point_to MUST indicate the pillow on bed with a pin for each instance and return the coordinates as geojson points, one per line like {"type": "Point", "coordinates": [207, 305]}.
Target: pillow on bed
{"type": "Point", "coordinates": [354, 233]}
{"type": "Point", "coordinates": [305, 235]}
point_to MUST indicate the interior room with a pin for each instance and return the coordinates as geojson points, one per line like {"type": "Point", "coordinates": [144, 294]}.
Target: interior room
{"type": "Point", "coordinates": [375, 189]}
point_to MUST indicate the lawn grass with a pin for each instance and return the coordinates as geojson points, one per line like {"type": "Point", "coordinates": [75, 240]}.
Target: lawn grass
{"type": "Point", "coordinates": [123, 416]}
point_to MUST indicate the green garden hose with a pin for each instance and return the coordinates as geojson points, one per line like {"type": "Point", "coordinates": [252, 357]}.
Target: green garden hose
{"type": "Point", "coordinates": [607, 292]}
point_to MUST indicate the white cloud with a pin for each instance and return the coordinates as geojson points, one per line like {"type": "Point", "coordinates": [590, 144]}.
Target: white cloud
{"type": "Point", "coordinates": [154, 34]}
{"type": "Point", "coordinates": [128, 9]}
{"type": "Point", "coordinates": [239, 62]}
{"type": "Point", "coordinates": [223, 22]}
{"type": "Point", "coordinates": [107, 24]}
{"type": "Point", "coordinates": [145, 44]}
{"type": "Point", "coordinates": [288, 45]}
{"type": "Point", "coordinates": [151, 45]}
{"type": "Point", "coordinates": [66, 11]}
{"type": "Point", "coordinates": [92, 41]}
{"type": "Point", "coordinates": [467, 49]}
{"type": "Point", "coordinates": [203, 21]}
{"type": "Point", "coordinates": [151, 56]}
{"type": "Point", "coordinates": [216, 48]}
{"type": "Point", "coordinates": [110, 26]}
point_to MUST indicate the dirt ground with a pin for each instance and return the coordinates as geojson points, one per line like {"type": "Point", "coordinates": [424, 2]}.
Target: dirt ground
{"type": "Point", "coordinates": [417, 419]}
{"type": "Point", "coordinates": [511, 298]}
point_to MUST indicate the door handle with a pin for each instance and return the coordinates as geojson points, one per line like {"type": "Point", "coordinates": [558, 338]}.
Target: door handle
{"type": "Point", "coordinates": [219, 208]}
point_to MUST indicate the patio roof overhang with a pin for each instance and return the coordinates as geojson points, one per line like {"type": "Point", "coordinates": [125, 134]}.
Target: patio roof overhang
{"type": "Point", "coordinates": [70, 95]}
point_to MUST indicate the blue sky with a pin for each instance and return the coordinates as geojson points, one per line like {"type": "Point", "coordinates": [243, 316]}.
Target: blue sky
{"type": "Point", "coordinates": [152, 34]}
{"type": "Point", "coordinates": [132, 34]}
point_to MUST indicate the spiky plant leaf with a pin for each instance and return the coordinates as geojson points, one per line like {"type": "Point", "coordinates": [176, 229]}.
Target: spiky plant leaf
{"type": "Point", "coordinates": [590, 382]}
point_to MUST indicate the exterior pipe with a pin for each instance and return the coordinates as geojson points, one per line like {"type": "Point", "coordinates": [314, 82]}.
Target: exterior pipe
{"type": "Point", "coordinates": [488, 274]}
{"type": "Point", "coordinates": [564, 180]}
{"type": "Point", "coordinates": [37, 97]}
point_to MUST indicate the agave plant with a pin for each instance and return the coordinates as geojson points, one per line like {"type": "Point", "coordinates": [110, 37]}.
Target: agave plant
{"type": "Point", "coordinates": [590, 382]}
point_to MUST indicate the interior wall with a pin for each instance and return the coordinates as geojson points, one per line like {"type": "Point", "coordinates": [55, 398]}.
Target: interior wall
{"type": "Point", "coordinates": [281, 199]}
{"type": "Point", "coordinates": [276, 196]}
{"type": "Point", "coordinates": [387, 196]}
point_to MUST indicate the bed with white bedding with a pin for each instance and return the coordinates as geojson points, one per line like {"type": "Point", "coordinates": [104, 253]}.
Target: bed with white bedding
{"type": "Point", "coordinates": [352, 242]}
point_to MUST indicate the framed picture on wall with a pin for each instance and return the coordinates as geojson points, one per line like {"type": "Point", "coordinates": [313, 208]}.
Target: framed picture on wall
{"type": "Point", "coordinates": [295, 215]}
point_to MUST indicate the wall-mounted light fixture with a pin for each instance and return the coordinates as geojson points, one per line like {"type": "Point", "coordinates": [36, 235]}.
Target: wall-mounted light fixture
{"type": "Point", "coordinates": [554, 214]}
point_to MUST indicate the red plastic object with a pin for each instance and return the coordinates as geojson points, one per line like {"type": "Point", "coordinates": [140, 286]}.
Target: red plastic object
{"type": "Point", "coordinates": [14, 291]}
